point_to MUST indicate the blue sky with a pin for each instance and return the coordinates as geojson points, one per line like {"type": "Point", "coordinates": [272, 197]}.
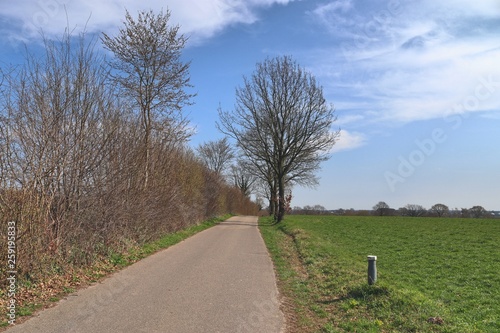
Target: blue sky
{"type": "Point", "coordinates": [416, 84]}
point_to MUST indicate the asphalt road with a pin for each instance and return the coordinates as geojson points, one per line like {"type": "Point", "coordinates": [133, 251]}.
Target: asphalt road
{"type": "Point", "coordinates": [220, 280]}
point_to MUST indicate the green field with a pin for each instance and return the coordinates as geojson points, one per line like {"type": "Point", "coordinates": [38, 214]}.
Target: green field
{"type": "Point", "coordinates": [434, 274]}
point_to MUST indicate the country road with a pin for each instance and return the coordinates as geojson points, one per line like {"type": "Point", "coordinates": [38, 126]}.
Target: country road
{"type": "Point", "coordinates": [220, 280]}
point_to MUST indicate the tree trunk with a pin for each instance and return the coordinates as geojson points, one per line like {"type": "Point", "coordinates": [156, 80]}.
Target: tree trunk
{"type": "Point", "coordinates": [273, 200]}
{"type": "Point", "coordinates": [147, 144]}
{"type": "Point", "coordinates": [281, 199]}
{"type": "Point", "coordinates": [271, 205]}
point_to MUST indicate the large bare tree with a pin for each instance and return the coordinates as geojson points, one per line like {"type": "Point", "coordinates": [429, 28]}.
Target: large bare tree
{"type": "Point", "coordinates": [282, 123]}
{"type": "Point", "coordinates": [148, 66]}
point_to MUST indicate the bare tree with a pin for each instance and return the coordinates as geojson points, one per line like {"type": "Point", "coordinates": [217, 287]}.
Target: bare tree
{"type": "Point", "coordinates": [265, 184]}
{"type": "Point", "coordinates": [216, 155]}
{"type": "Point", "coordinates": [149, 70]}
{"type": "Point", "coordinates": [242, 177]}
{"type": "Point", "coordinates": [56, 127]}
{"type": "Point", "coordinates": [319, 208]}
{"type": "Point", "coordinates": [413, 210]}
{"type": "Point", "coordinates": [440, 210]}
{"type": "Point", "coordinates": [381, 208]}
{"type": "Point", "coordinates": [282, 123]}
{"type": "Point", "coordinates": [477, 211]}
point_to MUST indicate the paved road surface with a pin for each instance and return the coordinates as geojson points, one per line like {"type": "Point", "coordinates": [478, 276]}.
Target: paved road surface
{"type": "Point", "coordinates": [220, 280]}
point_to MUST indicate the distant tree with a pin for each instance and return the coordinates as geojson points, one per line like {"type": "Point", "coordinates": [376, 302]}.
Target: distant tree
{"type": "Point", "coordinates": [260, 203]}
{"type": "Point", "coordinates": [440, 210]}
{"type": "Point", "coordinates": [308, 208]}
{"type": "Point", "coordinates": [319, 208]}
{"type": "Point", "coordinates": [265, 184]}
{"type": "Point", "coordinates": [477, 211]}
{"type": "Point", "coordinates": [350, 212]}
{"type": "Point", "coordinates": [454, 212]}
{"type": "Point", "coordinates": [282, 123]}
{"type": "Point", "coordinates": [381, 208]}
{"type": "Point", "coordinates": [148, 68]}
{"type": "Point", "coordinates": [288, 202]}
{"type": "Point", "coordinates": [413, 210]}
{"type": "Point", "coordinates": [242, 178]}
{"type": "Point", "coordinates": [216, 155]}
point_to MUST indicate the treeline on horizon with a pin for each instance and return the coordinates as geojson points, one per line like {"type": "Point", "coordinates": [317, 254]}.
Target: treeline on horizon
{"type": "Point", "coordinates": [75, 175]}
{"type": "Point", "coordinates": [411, 210]}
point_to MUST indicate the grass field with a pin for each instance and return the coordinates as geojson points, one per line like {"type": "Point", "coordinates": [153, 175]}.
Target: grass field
{"type": "Point", "coordinates": [434, 274]}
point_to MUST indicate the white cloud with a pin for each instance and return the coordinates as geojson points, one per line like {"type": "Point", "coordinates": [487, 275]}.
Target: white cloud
{"type": "Point", "coordinates": [198, 18]}
{"type": "Point", "coordinates": [423, 60]}
{"type": "Point", "coordinates": [348, 141]}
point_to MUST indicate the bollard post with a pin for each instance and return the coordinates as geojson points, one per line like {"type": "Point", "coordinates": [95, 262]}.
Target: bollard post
{"type": "Point", "coordinates": [372, 269]}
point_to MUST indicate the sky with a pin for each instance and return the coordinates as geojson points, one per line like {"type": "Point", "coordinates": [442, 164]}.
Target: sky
{"type": "Point", "coordinates": [415, 84]}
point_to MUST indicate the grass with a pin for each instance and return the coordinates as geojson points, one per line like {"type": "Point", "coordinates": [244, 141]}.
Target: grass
{"type": "Point", "coordinates": [434, 274]}
{"type": "Point", "coordinates": [35, 297]}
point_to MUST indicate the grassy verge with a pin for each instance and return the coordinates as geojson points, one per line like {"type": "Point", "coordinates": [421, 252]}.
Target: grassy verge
{"type": "Point", "coordinates": [435, 275]}
{"type": "Point", "coordinates": [33, 297]}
